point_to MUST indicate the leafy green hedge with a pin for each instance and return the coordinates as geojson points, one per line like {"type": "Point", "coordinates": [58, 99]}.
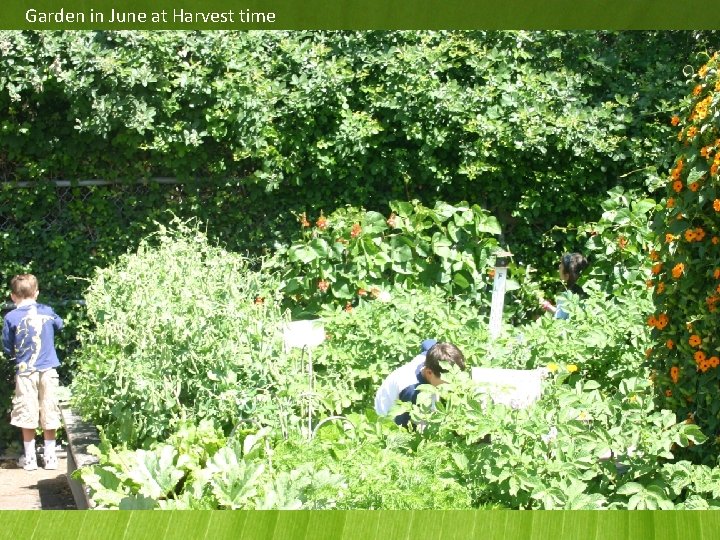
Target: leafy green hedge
{"type": "Point", "coordinates": [533, 127]}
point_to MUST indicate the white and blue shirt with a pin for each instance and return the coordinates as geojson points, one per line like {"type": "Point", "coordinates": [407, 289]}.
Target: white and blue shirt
{"type": "Point", "coordinates": [402, 384]}
{"type": "Point", "coordinates": [28, 337]}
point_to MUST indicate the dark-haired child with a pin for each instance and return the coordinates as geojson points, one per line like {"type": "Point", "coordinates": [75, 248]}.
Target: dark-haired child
{"type": "Point", "coordinates": [570, 267]}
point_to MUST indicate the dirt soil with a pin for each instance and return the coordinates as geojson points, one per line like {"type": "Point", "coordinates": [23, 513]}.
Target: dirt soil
{"type": "Point", "coordinates": [34, 490]}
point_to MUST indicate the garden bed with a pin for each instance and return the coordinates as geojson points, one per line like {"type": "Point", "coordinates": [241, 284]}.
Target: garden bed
{"type": "Point", "coordinates": [80, 436]}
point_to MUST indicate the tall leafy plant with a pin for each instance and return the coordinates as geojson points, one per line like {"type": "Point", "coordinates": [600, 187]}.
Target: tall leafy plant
{"type": "Point", "coordinates": [180, 329]}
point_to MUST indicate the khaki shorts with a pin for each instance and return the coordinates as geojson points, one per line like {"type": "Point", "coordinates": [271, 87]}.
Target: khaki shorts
{"type": "Point", "coordinates": [35, 402]}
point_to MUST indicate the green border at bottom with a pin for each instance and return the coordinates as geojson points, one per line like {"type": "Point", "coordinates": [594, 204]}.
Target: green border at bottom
{"type": "Point", "coordinates": [359, 524]}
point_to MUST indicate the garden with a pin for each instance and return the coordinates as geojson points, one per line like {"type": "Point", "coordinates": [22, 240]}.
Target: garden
{"type": "Point", "coordinates": [184, 196]}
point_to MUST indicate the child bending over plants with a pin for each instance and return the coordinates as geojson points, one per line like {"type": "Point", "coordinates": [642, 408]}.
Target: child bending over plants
{"type": "Point", "coordinates": [426, 368]}
{"type": "Point", "coordinates": [571, 265]}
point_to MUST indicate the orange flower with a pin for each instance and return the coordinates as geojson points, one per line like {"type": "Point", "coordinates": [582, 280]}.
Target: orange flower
{"type": "Point", "coordinates": [321, 223]}
{"type": "Point", "coordinates": [303, 220]}
{"type": "Point", "coordinates": [678, 270]}
{"type": "Point", "coordinates": [705, 151]}
{"type": "Point", "coordinates": [714, 361]}
{"type": "Point", "coordinates": [699, 234]}
{"type": "Point", "coordinates": [668, 393]}
{"type": "Point", "coordinates": [669, 238]}
{"type": "Point", "coordinates": [677, 186]}
{"type": "Point", "coordinates": [654, 255]}
{"type": "Point", "coordinates": [362, 292]}
{"type": "Point", "coordinates": [716, 273]}
{"type": "Point", "coordinates": [699, 356]}
{"type": "Point", "coordinates": [355, 230]}
{"type": "Point", "coordinates": [714, 168]}
{"type": "Point", "coordinates": [669, 343]}
{"type": "Point", "coordinates": [675, 120]}
{"type": "Point", "coordinates": [662, 321]}
{"type": "Point", "coordinates": [652, 321]}
{"type": "Point", "coordinates": [660, 288]}
{"type": "Point", "coordinates": [689, 235]}
{"type": "Point", "coordinates": [694, 340]}
{"type": "Point", "coordinates": [697, 90]}
{"type": "Point", "coordinates": [674, 374]}
{"type": "Point", "coordinates": [670, 203]}
{"type": "Point", "coordinates": [716, 205]}
{"type": "Point", "coordinates": [650, 283]}
{"type": "Point", "coordinates": [622, 242]}
{"type": "Point", "coordinates": [691, 132]}
{"type": "Point", "coordinates": [715, 240]}
{"type": "Point", "coordinates": [491, 273]}
{"type": "Point", "coordinates": [694, 186]}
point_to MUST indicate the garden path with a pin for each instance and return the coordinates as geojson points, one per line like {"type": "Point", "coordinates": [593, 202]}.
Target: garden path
{"type": "Point", "coordinates": [34, 490]}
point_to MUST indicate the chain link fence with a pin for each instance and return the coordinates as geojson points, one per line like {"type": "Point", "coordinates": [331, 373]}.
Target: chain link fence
{"type": "Point", "coordinates": [58, 209]}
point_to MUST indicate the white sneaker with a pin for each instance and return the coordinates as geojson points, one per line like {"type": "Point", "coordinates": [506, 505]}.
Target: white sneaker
{"type": "Point", "coordinates": [29, 464]}
{"type": "Point", "coordinates": [51, 463]}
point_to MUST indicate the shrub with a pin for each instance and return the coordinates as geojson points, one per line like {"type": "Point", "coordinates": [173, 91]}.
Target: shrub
{"type": "Point", "coordinates": [686, 263]}
{"type": "Point", "coordinates": [354, 254]}
{"type": "Point", "coordinates": [179, 329]}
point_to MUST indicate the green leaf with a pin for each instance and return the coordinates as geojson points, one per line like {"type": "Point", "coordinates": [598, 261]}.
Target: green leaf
{"type": "Point", "coordinates": [402, 254]}
{"type": "Point", "coordinates": [154, 471]}
{"type": "Point", "coordinates": [234, 482]}
{"type": "Point", "coordinates": [373, 223]}
{"type": "Point", "coordinates": [461, 280]}
{"type": "Point", "coordinates": [303, 254]}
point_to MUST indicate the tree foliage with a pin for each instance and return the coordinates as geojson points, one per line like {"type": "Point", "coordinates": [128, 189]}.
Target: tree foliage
{"type": "Point", "coordinates": [534, 127]}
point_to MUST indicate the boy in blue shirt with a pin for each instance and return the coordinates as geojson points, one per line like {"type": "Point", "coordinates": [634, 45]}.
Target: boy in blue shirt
{"type": "Point", "coordinates": [28, 337]}
{"type": "Point", "coordinates": [426, 368]}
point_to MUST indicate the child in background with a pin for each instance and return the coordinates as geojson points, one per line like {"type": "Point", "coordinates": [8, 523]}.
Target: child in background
{"type": "Point", "coordinates": [570, 267]}
{"type": "Point", "coordinates": [28, 337]}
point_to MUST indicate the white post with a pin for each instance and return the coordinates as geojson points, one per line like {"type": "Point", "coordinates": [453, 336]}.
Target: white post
{"type": "Point", "coordinates": [498, 294]}
{"type": "Point", "coordinates": [305, 335]}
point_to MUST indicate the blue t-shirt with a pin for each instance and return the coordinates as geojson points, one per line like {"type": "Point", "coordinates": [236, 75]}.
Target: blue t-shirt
{"type": "Point", "coordinates": [29, 337]}
{"type": "Point", "coordinates": [560, 313]}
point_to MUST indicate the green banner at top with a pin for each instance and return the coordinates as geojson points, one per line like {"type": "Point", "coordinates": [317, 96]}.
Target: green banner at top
{"type": "Point", "coordinates": [358, 14]}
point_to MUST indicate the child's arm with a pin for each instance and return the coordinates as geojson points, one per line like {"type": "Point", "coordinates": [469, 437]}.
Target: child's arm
{"type": "Point", "coordinates": [547, 306]}
{"type": "Point", "coordinates": [8, 339]}
{"type": "Point", "coordinates": [57, 321]}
